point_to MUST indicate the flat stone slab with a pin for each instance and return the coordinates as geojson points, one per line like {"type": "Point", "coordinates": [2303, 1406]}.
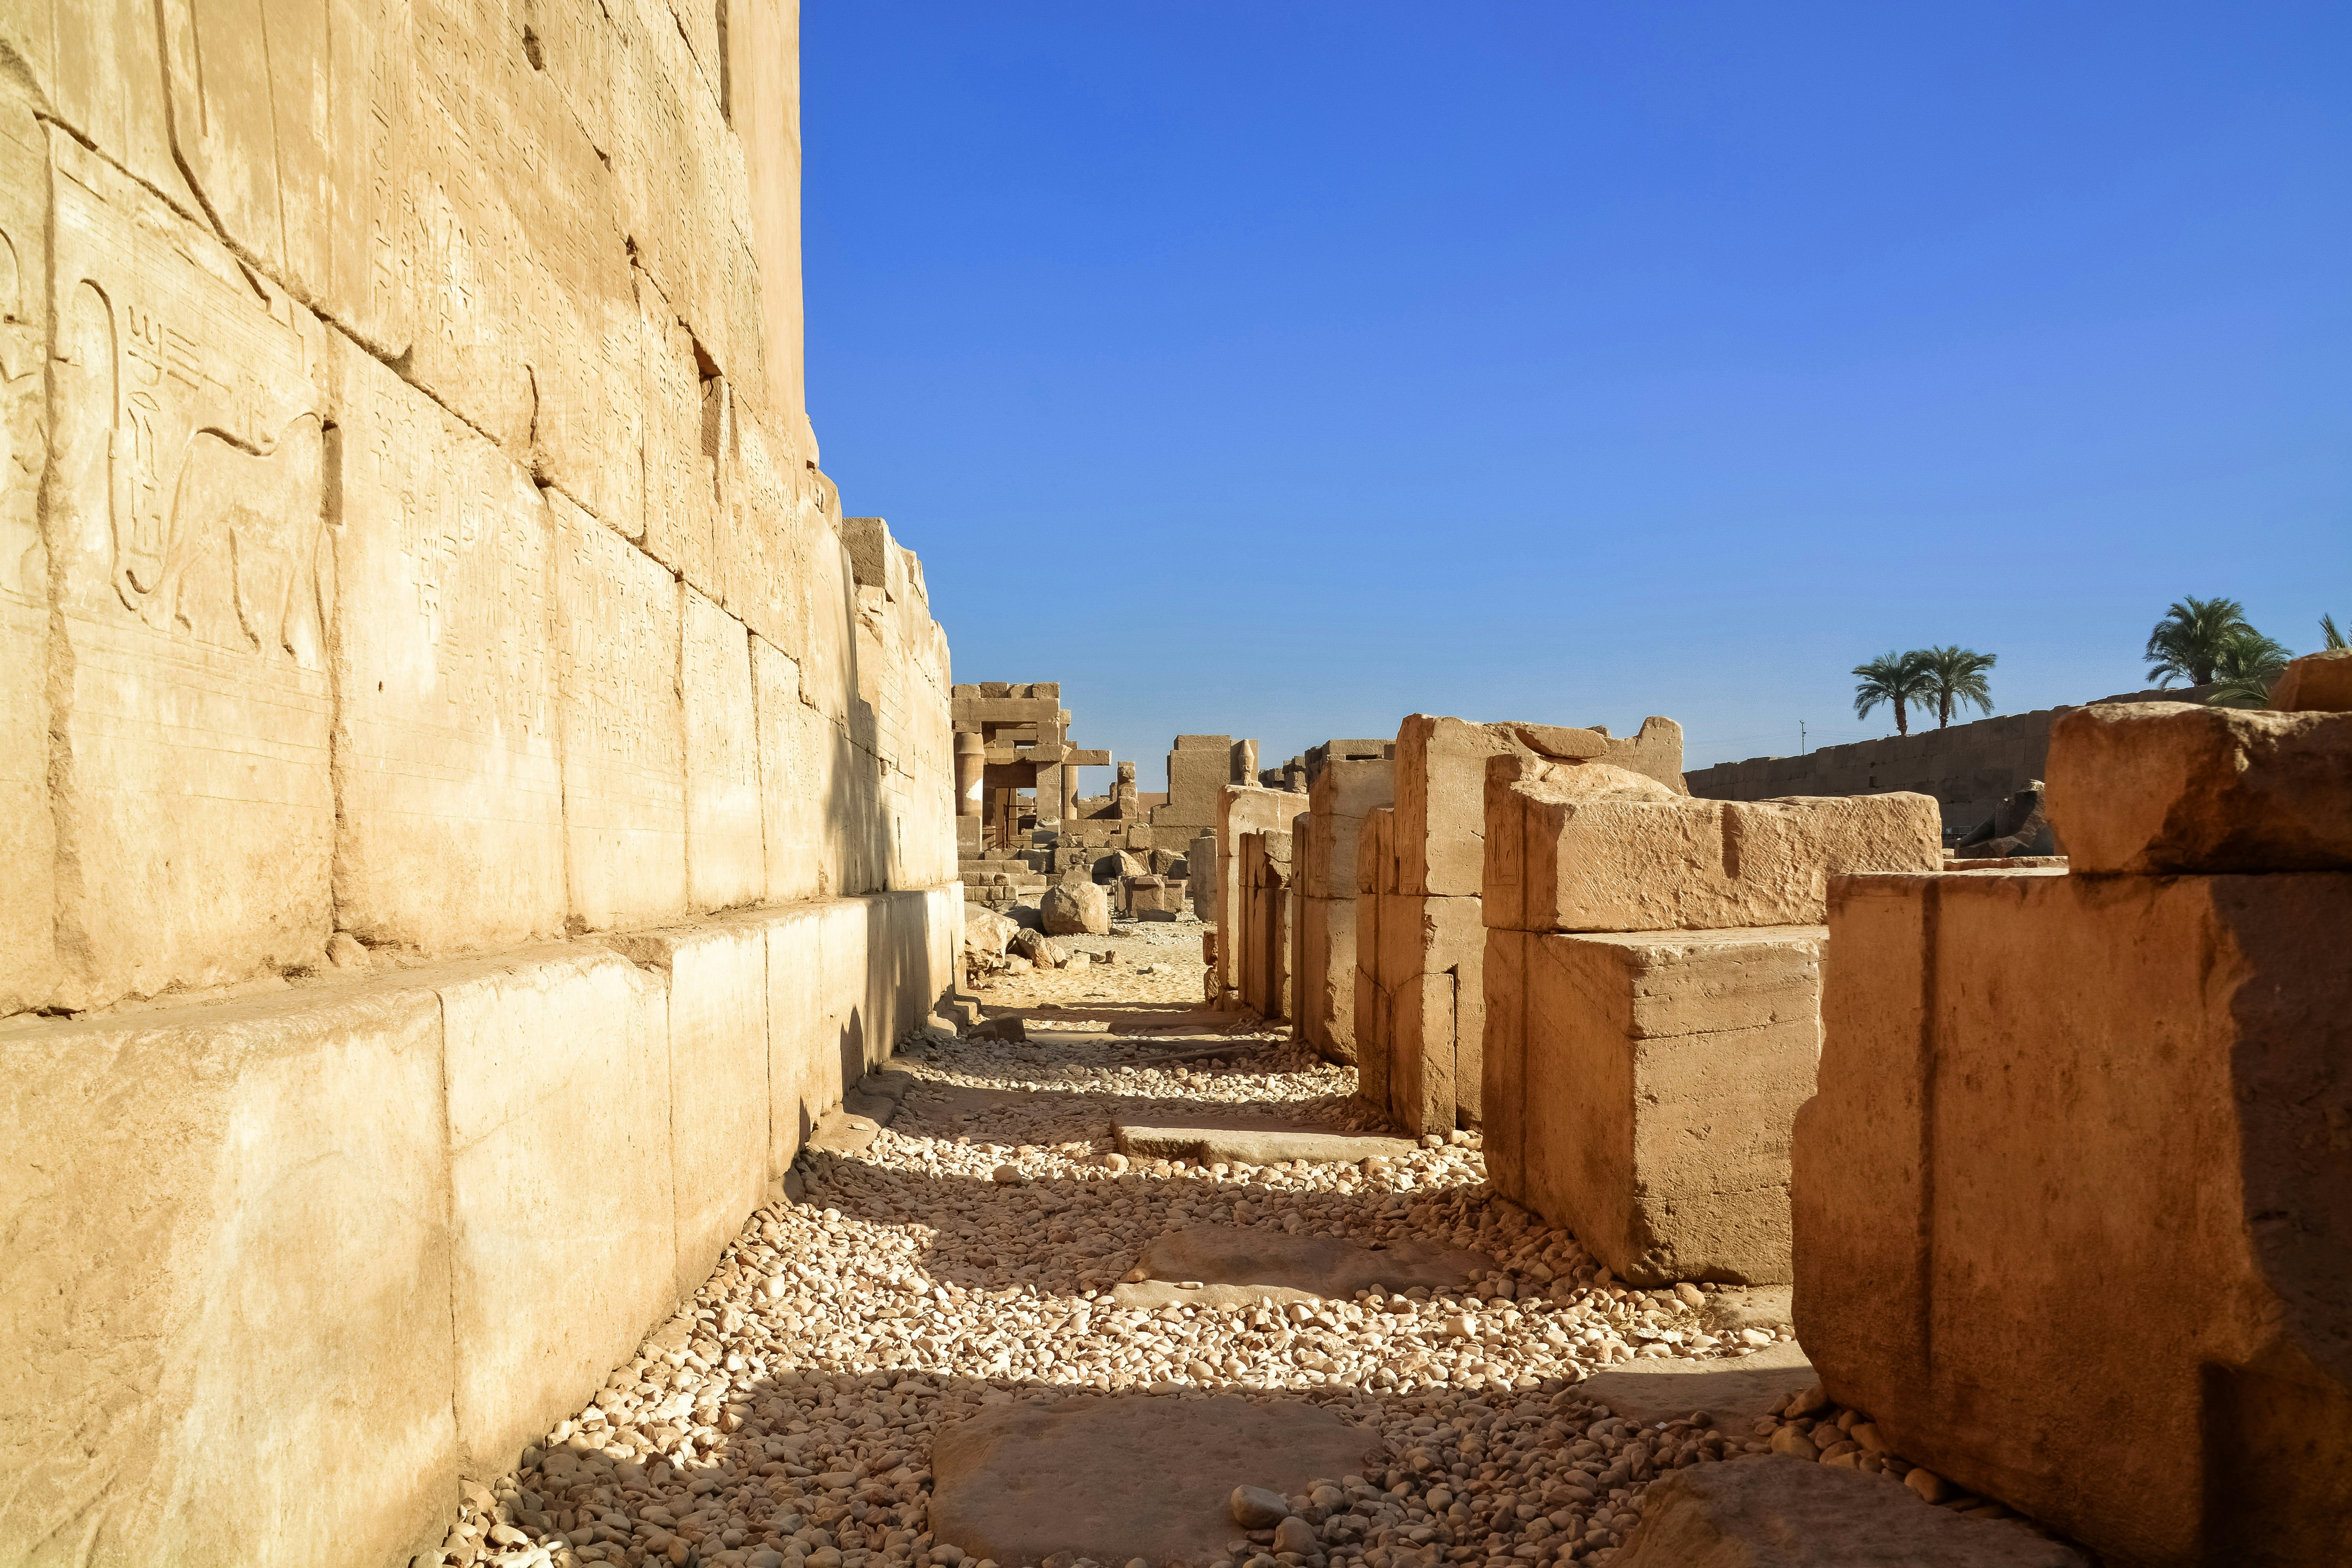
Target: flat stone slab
{"type": "Point", "coordinates": [1734, 1391]}
{"type": "Point", "coordinates": [1766, 1306]}
{"type": "Point", "coordinates": [1249, 1138]}
{"type": "Point", "coordinates": [843, 1132]}
{"type": "Point", "coordinates": [1235, 1267]}
{"type": "Point", "coordinates": [1780, 1512]}
{"type": "Point", "coordinates": [1121, 1477]}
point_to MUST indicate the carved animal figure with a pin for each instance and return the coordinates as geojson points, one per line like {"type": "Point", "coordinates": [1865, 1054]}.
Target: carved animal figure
{"type": "Point", "coordinates": [242, 542]}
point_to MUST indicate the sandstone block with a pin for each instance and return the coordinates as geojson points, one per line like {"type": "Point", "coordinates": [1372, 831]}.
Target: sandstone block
{"type": "Point", "coordinates": [1325, 982]}
{"type": "Point", "coordinates": [28, 836]}
{"type": "Point", "coordinates": [715, 990]}
{"type": "Point", "coordinates": [1342, 793]}
{"type": "Point", "coordinates": [226, 1252]}
{"type": "Point", "coordinates": [726, 859]}
{"type": "Point", "coordinates": [190, 753]}
{"type": "Point", "coordinates": [2316, 683]}
{"type": "Point", "coordinates": [451, 832]}
{"type": "Point", "coordinates": [1119, 1478]}
{"type": "Point", "coordinates": [1655, 1078]}
{"type": "Point", "coordinates": [1427, 974]}
{"type": "Point", "coordinates": [799, 831]}
{"type": "Point", "coordinates": [1075, 909]}
{"type": "Point", "coordinates": [1574, 849]}
{"type": "Point", "coordinates": [1784, 1512]}
{"type": "Point", "coordinates": [2076, 1128]}
{"type": "Point", "coordinates": [618, 632]}
{"type": "Point", "coordinates": [2158, 788]}
{"type": "Point", "coordinates": [558, 1050]}
{"type": "Point", "coordinates": [1241, 808]}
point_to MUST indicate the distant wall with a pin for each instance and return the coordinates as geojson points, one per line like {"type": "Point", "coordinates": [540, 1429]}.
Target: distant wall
{"type": "Point", "coordinates": [1968, 768]}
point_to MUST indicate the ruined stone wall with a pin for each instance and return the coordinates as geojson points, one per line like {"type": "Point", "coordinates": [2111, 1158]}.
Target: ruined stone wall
{"type": "Point", "coordinates": [468, 795]}
{"type": "Point", "coordinates": [1968, 768]}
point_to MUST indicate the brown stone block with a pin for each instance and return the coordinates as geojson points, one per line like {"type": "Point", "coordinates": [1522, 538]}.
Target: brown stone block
{"type": "Point", "coordinates": [227, 1251]}
{"type": "Point", "coordinates": [1427, 968]}
{"type": "Point", "coordinates": [1560, 856]}
{"type": "Point", "coordinates": [1440, 783]}
{"type": "Point", "coordinates": [1342, 793]}
{"type": "Point", "coordinates": [2316, 683]}
{"type": "Point", "coordinates": [2158, 788]}
{"type": "Point", "coordinates": [1653, 1084]}
{"type": "Point", "coordinates": [2070, 1205]}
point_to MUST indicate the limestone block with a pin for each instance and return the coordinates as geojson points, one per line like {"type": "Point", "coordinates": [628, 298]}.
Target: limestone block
{"type": "Point", "coordinates": [227, 1254]}
{"type": "Point", "coordinates": [560, 1147]}
{"type": "Point", "coordinates": [716, 979]}
{"type": "Point", "coordinates": [623, 724]}
{"type": "Point", "coordinates": [27, 840]}
{"type": "Point", "coordinates": [726, 858]}
{"type": "Point", "coordinates": [805, 1069]}
{"type": "Point", "coordinates": [684, 430]}
{"type": "Point", "coordinates": [1564, 855]}
{"type": "Point", "coordinates": [797, 754]}
{"type": "Point", "coordinates": [2316, 683]}
{"type": "Point", "coordinates": [2158, 788]}
{"type": "Point", "coordinates": [1199, 767]}
{"type": "Point", "coordinates": [451, 827]}
{"type": "Point", "coordinates": [2081, 1133]}
{"type": "Point", "coordinates": [1440, 783]}
{"type": "Point", "coordinates": [189, 758]}
{"type": "Point", "coordinates": [1652, 1078]}
{"type": "Point", "coordinates": [100, 68]}
{"type": "Point", "coordinates": [1342, 793]}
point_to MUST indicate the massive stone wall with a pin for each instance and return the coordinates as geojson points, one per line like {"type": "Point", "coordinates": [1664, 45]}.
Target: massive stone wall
{"type": "Point", "coordinates": [1970, 768]}
{"type": "Point", "coordinates": [468, 795]}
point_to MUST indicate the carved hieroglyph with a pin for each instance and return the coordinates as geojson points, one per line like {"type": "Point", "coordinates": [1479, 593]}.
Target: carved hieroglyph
{"type": "Point", "coordinates": [452, 796]}
{"type": "Point", "coordinates": [192, 796]}
{"type": "Point", "coordinates": [622, 727]}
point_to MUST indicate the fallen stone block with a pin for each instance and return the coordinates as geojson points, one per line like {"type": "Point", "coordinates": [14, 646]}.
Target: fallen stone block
{"type": "Point", "coordinates": [2316, 683]}
{"type": "Point", "coordinates": [1737, 1392]}
{"type": "Point", "coordinates": [1782, 1512]}
{"type": "Point", "coordinates": [1118, 1477]}
{"type": "Point", "coordinates": [1252, 1263]}
{"type": "Point", "coordinates": [2166, 788]}
{"type": "Point", "coordinates": [1245, 1138]}
{"type": "Point", "coordinates": [1075, 908]}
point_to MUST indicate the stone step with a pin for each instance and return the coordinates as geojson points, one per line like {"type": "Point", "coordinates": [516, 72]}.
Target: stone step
{"type": "Point", "coordinates": [1248, 1139]}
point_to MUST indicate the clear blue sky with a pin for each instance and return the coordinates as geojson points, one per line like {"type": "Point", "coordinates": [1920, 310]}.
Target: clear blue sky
{"type": "Point", "coordinates": [1282, 368]}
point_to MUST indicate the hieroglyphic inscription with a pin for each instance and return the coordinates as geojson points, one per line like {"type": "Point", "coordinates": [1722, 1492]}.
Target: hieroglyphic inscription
{"type": "Point", "coordinates": [27, 848]}
{"type": "Point", "coordinates": [623, 724]}
{"type": "Point", "coordinates": [183, 503]}
{"type": "Point", "coordinates": [452, 794]}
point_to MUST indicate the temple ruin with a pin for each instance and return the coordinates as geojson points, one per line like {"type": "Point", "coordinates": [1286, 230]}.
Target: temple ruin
{"type": "Point", "coordinates": [542, 1028]}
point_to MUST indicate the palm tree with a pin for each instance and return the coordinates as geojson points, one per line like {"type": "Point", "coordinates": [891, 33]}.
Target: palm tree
{"type": "Point", "coordinates": [2188, 642]}
{"type": "Point", "coordinates": [2327, 629]}
{"type": "Point", "coordinates": [2244, 666]}
{"type": "Point", "coordinates": [1897, 677]}
{"type": "Point", "coordinates": [1956, 674]}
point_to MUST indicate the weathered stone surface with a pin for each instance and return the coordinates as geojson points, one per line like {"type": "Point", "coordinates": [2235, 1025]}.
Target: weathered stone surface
{"type": "Point", "coordinates": [226, 1251]}
{"type": "Point", "coordinates": [1241, 809]}
{"type": "Point", "coordinates": [2077, 1130]}
{"type": "Point", "coordinates": [2159, 788]}
{"type": "Point", "coordinates": [1075, 909]}
{"type": "Point", "coordinates": [726, 859]}
{"type": "Point", "coordinates": [1561, 857]}
{"type": "Point", "coordinates": [28, 836]}
{"type": "Point", "coordinates": [1116, 1478]}
{"type": "Point", "coordinates": [1322, 1266]}
{"type": "Point", "coordinates": [1735, 1392]}
{"type": "Point", "coordinates": [189, 761]}
{"type": "Point", "coordinates": [618, 629]}
{"type": "Point", "coordinates": [1249, 1138]}
{"type": "Point", "coordinates": [2316, 683]}
{"type": "Point", "coordinates": [451, 833]}
{"type": "Point", "coordinates": [1780, 1512]}
{"type": "Point", "coordinates": [987, 932]}
{"type": "Point", "coordinates": [1654, 1080]}
{"type": "Point", "coordinates": [557, 1049]}
{"type": "Point", "coordinates": [1431, 1003]}
{"type": "Point", "coordinates": [716, 1006]}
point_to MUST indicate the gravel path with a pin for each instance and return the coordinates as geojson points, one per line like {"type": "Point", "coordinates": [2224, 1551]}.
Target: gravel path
{"type": "Point", "coordinates": [965, 1257]}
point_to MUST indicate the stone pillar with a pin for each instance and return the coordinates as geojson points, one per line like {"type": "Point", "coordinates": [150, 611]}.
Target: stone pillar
{"type": "Point", "coordinates": [1123, 797]}
{"type": "Point", "coordinates": [970, 762]}
{"type": "Point", "coordinates": [1069, 793]}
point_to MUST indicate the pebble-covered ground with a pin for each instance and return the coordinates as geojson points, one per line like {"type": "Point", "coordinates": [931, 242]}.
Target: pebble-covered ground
{"type": "Point", "coordinates": [967, 1255]}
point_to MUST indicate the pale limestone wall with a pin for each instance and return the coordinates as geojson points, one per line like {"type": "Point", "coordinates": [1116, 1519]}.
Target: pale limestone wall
{"type": "Point", "coordinates": [422, 620]}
